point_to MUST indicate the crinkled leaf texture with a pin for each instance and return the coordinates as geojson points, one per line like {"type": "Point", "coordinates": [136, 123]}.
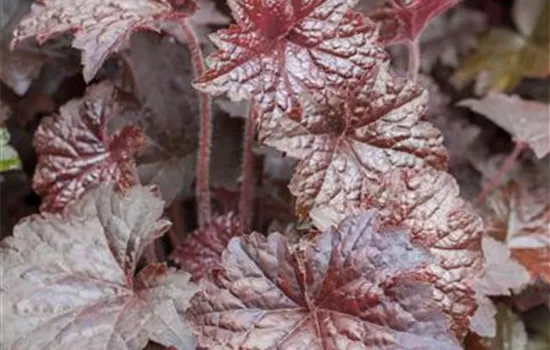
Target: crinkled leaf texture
{"type": "Point", "coordinates": [526, 121]}
{"type": "Point", "coordinates": [522, 220]}
{"type": "Point", "coordinates": [68, 279]}
{"type": "Point", "coordinates": [404, 20]}
{"type": "Point", "coordinates": [354, 286]}
{"type": "Point", "coordinates": [346, 148]}
{"type": "Point", "coordinates": [100, 27]}
{"type": "Point", "coordinates": [201, 250]}
{"type": "Point", "coordinates": [75, 150]}
{"type": "Point", "coordinates": [427, 202]}
{"type": "Point", "coordinates": [280, 50]}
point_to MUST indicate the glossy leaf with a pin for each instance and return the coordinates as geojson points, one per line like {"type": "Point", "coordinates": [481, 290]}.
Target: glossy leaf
{"type": "Point", "coordinates": [202, 250]}
{"type": "Point", "coordinates": [75, 151]}
{"type": "Point", "coordinates": [355, 286]}
{"type": "Point", "coordinates": [100, 27]}
{"type": "Point", "coordinates": [280, 50]}
{"type": "Point", "coordinates": [404, 20]}
{"type": "Point", "coordinates": [427, 202]}
{"type": "Point", "coordinates": [505, 57]}
{"type": "Point", "coordinates": [522, 220]}
{"type": "Point", "coordinates": [526, 121]}
{"type": "Point", "coordinates": [69, 281]}
{"type": "Point", "coordinates": [346, 148]}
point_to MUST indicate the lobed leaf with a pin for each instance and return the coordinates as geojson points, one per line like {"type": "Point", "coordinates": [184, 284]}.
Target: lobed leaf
{"type": "Point", "coordinates": [280, 50]}
{"type": "Point", "coordinates": [70, 280]}
{"type": "Point", "coordinates": [404, 20]}
{"type": "Point", "coordinates": [526, 121]}
{"type": "Point", "coordinates": [201, 251]}
{"type": "Point", "coordinates": [75, 151]}
{"type": "Point", "coordinates": [346, 147]}
{"type": "Point", "coordinates": [100, 27]}
{"type": "Point", "coordinates": [427, 202]}
{"type": "Point", "coordinates": [521, 218]}
{"type": "Point", "coordinates": [354, 286]}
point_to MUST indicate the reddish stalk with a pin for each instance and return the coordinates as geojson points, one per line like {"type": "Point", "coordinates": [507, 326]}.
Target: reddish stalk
{"type": "Point", "coordinates": [178, 225]}
{"type": "Point", "coordinates": [247, 174]}
{"type": "Point", "coordinates": [504, 169]}
{"type": "Point", "coordinates": [202, 188]}
{"type": "Point", "coordinates": [413, 48]}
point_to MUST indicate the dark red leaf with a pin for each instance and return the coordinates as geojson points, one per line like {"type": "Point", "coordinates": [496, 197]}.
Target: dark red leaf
{"type": "Point", "coordinates": [75, 151]}
{"type": "Point", "coordinates": [355, 286]}
{"type": "Point", "coordinates": [428, 203]}
{"type": "Point", "coordinates": [202, 250]}
{"type": "Point", "coordinates": [347, 147]}
{"type": "Point", "coordinates": [281, 49]}
{"type": "Point", "coordinates": [404, 20]}
{"type": "Point", "coordinates": [100, 27]}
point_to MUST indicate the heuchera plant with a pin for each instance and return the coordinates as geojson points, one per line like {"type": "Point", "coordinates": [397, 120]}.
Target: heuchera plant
{"type": "Point", "coordinates": [386, 254]}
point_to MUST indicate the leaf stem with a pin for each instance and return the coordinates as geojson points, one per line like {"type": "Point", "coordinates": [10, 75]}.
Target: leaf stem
{"type": "Point", "coordinates": [202, 188]}
{"type": "Point", "coordinates": [247, 174]}
{"type": "Point", "coordinates": [178, 225]}
{"type": "Point", "coordinates": [503, 170]}
{"type": "Point", "coordinates": [413, 48]}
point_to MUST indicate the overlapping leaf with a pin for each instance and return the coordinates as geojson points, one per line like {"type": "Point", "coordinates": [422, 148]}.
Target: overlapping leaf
{"type": "Point", "coordinates": [501, 275]}
{"type": "Point", "coordinates": [281, 49]}
{"type": "Point", "coordinates": [522, 220]}
{"type": "Point", "coordinates": [202, 250]}
{"type": "Point", "coordinates": [346, 148]}
{"type": "Point", "coordinates": [100, 27]}
{"type": "Point", "coordinates": [505, 57]}
{"type": "Point", "coordinates": [162, 73]}
{"type": "Point", "coordinates": [526, 121]}
{"type": "Point", "coordinates": [428, 203]}
{"type": "Point", "coordinates": [354, 286]}
{"type": "Point", "coordinates": [69, 281]}
{"type": "Point", "coordinates": [75, 151]}
{"type": "Point", "coordinates": [404, 20]}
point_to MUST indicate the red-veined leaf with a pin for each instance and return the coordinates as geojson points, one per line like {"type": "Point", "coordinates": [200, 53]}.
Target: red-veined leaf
{"type": "Point", "coordinates": [201, 250]}
{"type": "Point", "coordinates": [427, 202]}
{"type": "Point", "coordinates": [282, 49]}
{"type": "Point", "coordinates": [404, 20]}
{"type": "Point", "coordinates": [354, 286]}
{"type": "Point", "coordinates": [75, 151]}
{"type": "Point", "coordinates": [347, 147]}
{"type": "Point", "coordinates": [69, 280]}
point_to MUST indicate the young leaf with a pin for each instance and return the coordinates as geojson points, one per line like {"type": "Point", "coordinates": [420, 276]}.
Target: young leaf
{"type": "Point", "coordinates": [100, 27]}
{"type": "Point", "coordinates": [281, 49]}
{"type": "Point", "coordinates": [9, 158]}
{"type": "Point", "coordinates": [428, 203]}
{"type": "Point", "coordinates": [505, 57]}
{"type": "Point", "coordinates": [447, 39]}
{"type": "Point", "coordinates": [347, 147]}
{"type": "Point", "coordinates": [75, 151]}
{"type": "Point", "coordinates": [356, 286]}
{"type": "Point", "coordinates": [201, 250]}
{"type": "Point", "coordinates": [526, 121]}
{"type": "Point", "coordinates": [522, 220]}
{"type": "Point", "coordinates": [70, 282]}
{"type": "Point", "coordinates": [404, 20]}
